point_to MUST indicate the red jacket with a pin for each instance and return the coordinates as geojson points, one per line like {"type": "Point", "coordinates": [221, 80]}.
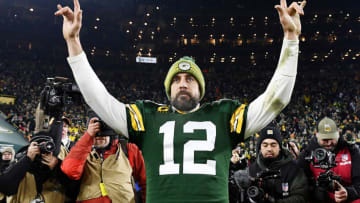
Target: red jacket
{"type": "Point", "coordinates": [74, 163]}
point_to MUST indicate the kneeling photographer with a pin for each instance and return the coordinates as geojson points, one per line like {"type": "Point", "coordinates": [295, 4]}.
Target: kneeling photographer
{"type": "Point", "coordinates": [332, 165]}
{"type": "Point", "coordinates": [44, 180]}
{"type": "Point", "coordinates": [275, 176]}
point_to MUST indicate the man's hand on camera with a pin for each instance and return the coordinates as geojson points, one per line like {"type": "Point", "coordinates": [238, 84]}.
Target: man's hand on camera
{"type": "Point", "coordinates": [94, 127]}
{"type": "Point", "coordinates": [33, 150]}
{"type": "Point", "coordinates": [294, 149]}
{"type": "Point", "coordinates": [49, 160]}
{"type": "Point", "coordinates": [341, 194]}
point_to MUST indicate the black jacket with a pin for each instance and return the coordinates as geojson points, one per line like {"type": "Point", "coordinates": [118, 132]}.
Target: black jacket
{"type": "Point", "coordinates": [354, 189]}
{"type": "Point", "coordinates": [11, 177]}
{"type": "Point", "coordinates": [292, 184]}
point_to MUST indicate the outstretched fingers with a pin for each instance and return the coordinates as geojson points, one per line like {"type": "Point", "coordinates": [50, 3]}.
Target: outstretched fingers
{"type": "Point", "coordinates": [76, 6]}
{"type": "Point", "coordinates": [303, 4]}
{"type": "Point", "coordinates": [65, 11]}
{"type": "Point", "coordinates": [295, 8]}
{"type": "Point", "coordinates": [283, 3]}
{"type": "Point", "coordinates": [280, 10]}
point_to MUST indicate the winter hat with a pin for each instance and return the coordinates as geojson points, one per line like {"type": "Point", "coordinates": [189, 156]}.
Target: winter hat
{"type": "Point", "coordinates": [10, 150]}
{"type": "Point", "coordinates": [327, 129]}
{"type": "Point", "coordinates": [185, 65]}
{"type": "Point", "coordinates": [269, 132]}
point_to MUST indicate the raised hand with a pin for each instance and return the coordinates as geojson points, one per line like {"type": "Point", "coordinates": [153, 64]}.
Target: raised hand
{"type": "Point", "coordinates": [94, 127]}
{"type": "Point", "coordinates": [72, 20]}
{"type": "Point", "coordinates": [290, 18]}
{"type": "Point", "coordinates": [33, 150]}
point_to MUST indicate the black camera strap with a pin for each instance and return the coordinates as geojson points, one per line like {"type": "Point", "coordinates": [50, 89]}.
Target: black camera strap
{"type": "Point", "coordinates": [123, 144]}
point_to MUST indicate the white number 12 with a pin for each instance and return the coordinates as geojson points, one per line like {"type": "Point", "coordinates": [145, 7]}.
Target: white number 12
{"type": "Point", "coordinates": [189, 165]}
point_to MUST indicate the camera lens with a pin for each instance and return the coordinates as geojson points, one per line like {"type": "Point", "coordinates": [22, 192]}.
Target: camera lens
{"type": "Point", "coordinates": [320, 154]}
{"type": "Point", "coordinates": [50, 146]}
{"type": "Point", "coordinates": [253, 191]}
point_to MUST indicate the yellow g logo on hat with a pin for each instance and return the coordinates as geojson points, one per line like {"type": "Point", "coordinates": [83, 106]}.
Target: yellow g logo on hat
{"type": "Point", "coordinates": [188, 65]}
{"type": "Point", "coordinates": [184, 66]}
{"type": "Point", "coordinates": [270, 132]}
{"type": "Point", "coordinates": [327, 128]}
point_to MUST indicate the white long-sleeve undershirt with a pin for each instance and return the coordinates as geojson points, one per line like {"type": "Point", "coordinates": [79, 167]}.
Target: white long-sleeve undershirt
{"type": "Point", "coordinates": [260, 112]}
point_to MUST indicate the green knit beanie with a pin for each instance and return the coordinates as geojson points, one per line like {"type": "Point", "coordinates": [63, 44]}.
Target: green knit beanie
{"type": "Point", "coordinates": [185, 65]}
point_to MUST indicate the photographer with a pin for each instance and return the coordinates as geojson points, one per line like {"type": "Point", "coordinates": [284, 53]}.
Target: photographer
{"type": "Point", "coordinates": [238, 159]}
{"type": "Point", "coordinates": [7, 157]}
{"type": "Point", "coordinates": [104, 165]}
{"type": "Point", "coordinates": [291, 186]}
{"type": "Point", "coordinates": [44, 181]}
{"type": "Point", "coordinates": [346, 165]}
{"type": "Point", "coordinates": [238, 162]}
{"type": "Point", "coordinates": [11, 177]}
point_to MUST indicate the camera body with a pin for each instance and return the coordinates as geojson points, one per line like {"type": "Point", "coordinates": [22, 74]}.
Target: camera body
{"type": "Point", "coordinates": [46, 143]}
{"type": "Point", "coordinates": [256, 192]}
{"type": "Point", "coordinates": [253, 190]}
{"type": "Point", "coordinates": [326, 160]}
{"type": "Point", "coordinates": [321, 158]}
{"type": "Point", "coordinates": [102, 124]}
{"type": "Point", "coordinates": [57, 94]}
{"type": "Point", "coordinates": [104, 129]}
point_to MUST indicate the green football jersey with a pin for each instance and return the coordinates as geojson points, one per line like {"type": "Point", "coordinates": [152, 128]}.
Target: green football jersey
{"type": "Point", "coordinates": [187, 156]}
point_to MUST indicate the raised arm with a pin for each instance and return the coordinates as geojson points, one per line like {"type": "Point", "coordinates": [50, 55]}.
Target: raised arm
{"type": "Point", "coordinates": [94, 92]}
{"type": "Point", "coordinates": [277, 94]}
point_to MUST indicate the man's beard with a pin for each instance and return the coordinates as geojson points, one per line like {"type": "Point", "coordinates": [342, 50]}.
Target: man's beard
{"type": "Point", "coordinates": [267, 160]}
{"type": "Point", "coordinates": [183, 104]}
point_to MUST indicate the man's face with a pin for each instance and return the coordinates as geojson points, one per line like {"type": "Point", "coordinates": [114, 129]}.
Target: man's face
{"type": "Point", "coordinates": [185, 92]}
{"type": "Point", "coordinates": [270, 148]}
{"type": "Point", "coordinates": [101, 142]}
{"type": "Point", "coordinates": [65, 130]}
{"type": "Point", "coordinates": [328, 144]}
{"type": "Point", "coordinates": [6, 156]}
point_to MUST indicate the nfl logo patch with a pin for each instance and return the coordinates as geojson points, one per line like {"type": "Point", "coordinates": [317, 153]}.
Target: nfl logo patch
{"type": "Point", "coordinates": [344, 157]}
{"type": "Point", "coordinates": [285, 187]}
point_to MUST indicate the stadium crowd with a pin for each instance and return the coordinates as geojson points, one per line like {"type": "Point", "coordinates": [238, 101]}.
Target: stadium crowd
{"type": "Point", "coordinates": [320, 90]}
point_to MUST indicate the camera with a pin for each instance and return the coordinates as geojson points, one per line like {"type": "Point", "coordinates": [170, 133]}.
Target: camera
{"type": "Point", "coordinates": [45, 143]}
{"type": "Point", "coordinates": [105, 130]}
{"type": "Point", "coordinates": [58, 93]}
{"type": "Point", "coordinates": [253, 190]}
{"type": "Point", "coordinates": [102, 124]}
{"type": "Point", "coordinates": [323, 159]}
{"type": "Point", "coordinates": [256, 192]}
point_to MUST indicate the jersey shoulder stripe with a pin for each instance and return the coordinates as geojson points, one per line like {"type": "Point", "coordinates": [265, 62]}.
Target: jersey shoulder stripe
{"type": "Point", "coordinates": [137, 122]}
{"type": "Point", "coordinates": [237, 119]}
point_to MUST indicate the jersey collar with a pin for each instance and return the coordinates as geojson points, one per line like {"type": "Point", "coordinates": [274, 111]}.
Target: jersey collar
{"type": "Point", "coordinates": [186, 112]}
